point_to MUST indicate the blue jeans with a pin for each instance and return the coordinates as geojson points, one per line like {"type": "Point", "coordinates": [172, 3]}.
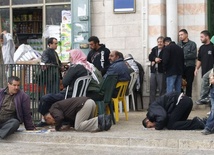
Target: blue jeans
{"type": "Point", "coordinates": [173, 82]}
{"type": "Point", "coordinates": [48, 100]}
{"type": "Point", "coordinates": [210, 121]}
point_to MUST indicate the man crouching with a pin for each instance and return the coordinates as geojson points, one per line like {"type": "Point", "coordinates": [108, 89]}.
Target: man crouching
{"type": "Point", "coordinates": [171, 111]}
{"type": "Point", "coordinates": [79, 112]}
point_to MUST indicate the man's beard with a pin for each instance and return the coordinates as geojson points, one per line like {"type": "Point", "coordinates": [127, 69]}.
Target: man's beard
{"type": "Point", "coordinates": [204, 41]}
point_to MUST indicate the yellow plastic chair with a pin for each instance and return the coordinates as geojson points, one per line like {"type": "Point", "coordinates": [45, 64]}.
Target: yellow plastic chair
{"type": "Point", "coordinates": [122, 86]}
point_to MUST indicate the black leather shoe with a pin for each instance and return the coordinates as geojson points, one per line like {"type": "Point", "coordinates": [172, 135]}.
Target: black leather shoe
{"type": "Point", "coordinates": [101, 122]}
{"type": "Point", "coordinates": [200, 122]}
{"type": "Point", "coordinates": [41, 124]}
{"type": "Point", "coordinates": [203, 101]}
{"type": "Point", "coordinates": [204, 120]}
{"type": "Point", "coordinates": [206, 132]}
{"type": "Point", "coordinates": [107, 122]}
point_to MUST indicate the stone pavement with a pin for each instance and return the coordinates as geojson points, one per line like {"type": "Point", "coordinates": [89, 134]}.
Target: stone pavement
{"type": "Point", "coordinates": [126, 137]}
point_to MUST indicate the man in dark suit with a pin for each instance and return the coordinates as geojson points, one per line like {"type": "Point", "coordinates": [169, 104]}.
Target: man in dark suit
{"type": "Point", "coordinates": [53, 73]}
{"type": "Point", "coordinates": [171, 111]}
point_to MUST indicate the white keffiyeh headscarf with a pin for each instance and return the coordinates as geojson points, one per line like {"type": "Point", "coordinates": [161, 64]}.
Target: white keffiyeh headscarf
{"type": "Point", "coordinates": [78, 57]}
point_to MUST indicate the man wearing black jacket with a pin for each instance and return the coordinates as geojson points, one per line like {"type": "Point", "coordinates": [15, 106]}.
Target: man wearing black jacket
{"type": "Point", "coordinates": [157, 79]}
{"type": "Point", "coordinates": [99, 54]}
{"type": "Point", "coordinates": [171, 111]}
{"type": "Point", "coordinates": [173, 64]}
{"type": "Point", "coordinates": [50, 57]}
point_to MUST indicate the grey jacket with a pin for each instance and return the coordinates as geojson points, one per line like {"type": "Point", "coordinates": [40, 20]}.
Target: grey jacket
{"type": "Point", "coordinates": [190, 52]}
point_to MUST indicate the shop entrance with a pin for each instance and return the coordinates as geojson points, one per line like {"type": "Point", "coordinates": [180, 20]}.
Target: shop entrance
{"type": "Point", "coordinates": [27, 27]}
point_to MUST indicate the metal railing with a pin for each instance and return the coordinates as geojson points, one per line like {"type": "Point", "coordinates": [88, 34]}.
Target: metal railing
{"type": "Point", "coordinates": [35, 80]}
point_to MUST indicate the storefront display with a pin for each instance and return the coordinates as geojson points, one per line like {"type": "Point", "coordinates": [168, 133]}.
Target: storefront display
{"type": "Point", "coordinates": [28, 20]}
{"type": "Point", "coordinates": [27, 24]}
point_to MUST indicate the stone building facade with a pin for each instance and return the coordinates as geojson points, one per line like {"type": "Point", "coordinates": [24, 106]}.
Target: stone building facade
{"type": "Point", "coordinates": [136, 33]}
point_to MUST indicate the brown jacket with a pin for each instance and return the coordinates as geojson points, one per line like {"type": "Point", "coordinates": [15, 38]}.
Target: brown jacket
{"type": "Point", "coordinates": [66, 110]}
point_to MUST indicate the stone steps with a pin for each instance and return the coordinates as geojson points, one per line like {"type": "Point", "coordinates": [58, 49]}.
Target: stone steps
{"type": "Point", "coordinates": [66, 149]}
{"type": "Point", "coordinates": [126, 137]}
{"type": "Point", "coordinates": [156, 139]}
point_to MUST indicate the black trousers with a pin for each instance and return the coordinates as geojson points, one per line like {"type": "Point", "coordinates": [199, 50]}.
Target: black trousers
{"type": "Point", "coordinates": [189, 76]}
{"type": "Point", "coordinates": [48, 100]}
{"type": "Point", "coordinates": [177, 120]}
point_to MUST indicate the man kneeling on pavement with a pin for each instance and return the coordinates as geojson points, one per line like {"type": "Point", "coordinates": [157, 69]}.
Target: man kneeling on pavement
{"type": "Point", "coordinates": [171, 111]}
{"type": "Point", "coordinates": [79, 112]}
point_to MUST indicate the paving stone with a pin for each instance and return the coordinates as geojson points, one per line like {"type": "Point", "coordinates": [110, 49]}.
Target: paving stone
{"type": "Point", "coordinates": [126, 137]}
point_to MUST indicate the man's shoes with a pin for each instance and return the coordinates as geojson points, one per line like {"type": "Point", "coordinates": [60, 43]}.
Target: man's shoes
{"type": "Point", "coordinates": [200, 122]}
{"type": "Point", "coordinates": [104, 122]}
{"type": "Point", "coordinates": [107, 122]}
{"type": "Point", "coordinates": [203, 101]}
{"type": "Point", "coordinates": [41, 124]}
{"type": "Point", "coordinates": [101, 122]}
{"type": "Point", "coordinates": [208, 113]}
{"type": "Point", "coordinates": [204, 120]}
{"type": "Point", "coordinates": [206, 132]}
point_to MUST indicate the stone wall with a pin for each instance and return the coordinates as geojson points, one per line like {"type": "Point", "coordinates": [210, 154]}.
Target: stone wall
{"type": "Point", "coordinates": [136, 33]}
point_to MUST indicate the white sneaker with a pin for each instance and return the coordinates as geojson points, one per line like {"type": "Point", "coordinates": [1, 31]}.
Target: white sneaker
{"type": "Point", "coordinates": [208, 113]}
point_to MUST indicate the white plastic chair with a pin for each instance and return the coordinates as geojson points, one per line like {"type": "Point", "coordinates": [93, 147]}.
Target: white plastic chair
{"type": "Point", "coordinates": [130, 90]}
{"type": "Point", "coordinates": [85, 80]}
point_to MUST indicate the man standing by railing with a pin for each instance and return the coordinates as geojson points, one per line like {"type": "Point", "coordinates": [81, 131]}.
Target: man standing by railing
{"type": "Point", "coordinates": [49, 56]}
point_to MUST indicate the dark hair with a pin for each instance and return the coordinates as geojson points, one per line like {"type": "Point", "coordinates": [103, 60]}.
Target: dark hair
{"type": "Point", "coordinates": [167, 39]}
{"type": "Point", "coordinates": [144, 122]}
{"type": "Point", "coordinates": [161, 37]}
{"type": "Point", "coordinates": [50, 40]}
{"type": "Point", "coordinates": [94, 39]}
{"type": "Point", "coordinates": [184, 31]}
{"type": "Point", "coordinates": [45, 115]}
{"type": "Point", "coordinates": [12, 78]}
{"type": "Point", "coordinates": [120, 55]}
{"type": "Point", "coordinates": [206, 33]}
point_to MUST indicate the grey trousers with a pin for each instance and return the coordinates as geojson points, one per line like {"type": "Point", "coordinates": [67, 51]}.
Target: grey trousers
{"type": "Point", "coordinates": [8, 127]}
{"type": "Point", "coordinates": [157, 80]}
{"type": "Point", "coordinates": [205, 89]}
{"type": "Point", "coordinates": [85, 120]}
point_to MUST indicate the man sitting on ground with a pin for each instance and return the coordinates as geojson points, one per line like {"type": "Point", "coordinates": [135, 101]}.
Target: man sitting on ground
{"type": "Point", "coordinates": [14, 108]}
{"type": "Point", "coordinates": [79, 112]}
{"type": "Point", "coordinates": [171, 111]}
